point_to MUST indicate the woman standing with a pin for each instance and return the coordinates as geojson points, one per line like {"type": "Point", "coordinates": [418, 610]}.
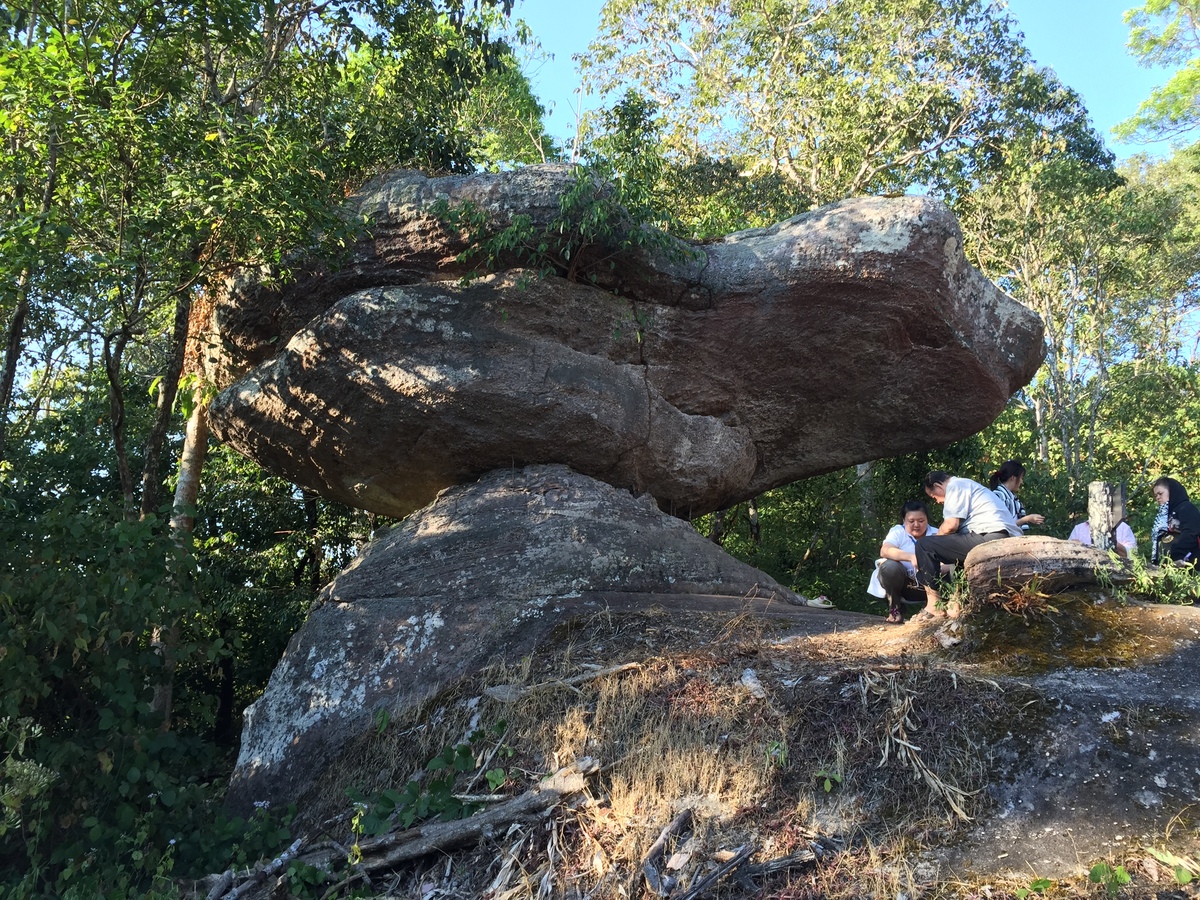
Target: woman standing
{"type": "Point", "coordinates": [1005, 482]}
{"type": "Point", "coordinates": [1176, 530]}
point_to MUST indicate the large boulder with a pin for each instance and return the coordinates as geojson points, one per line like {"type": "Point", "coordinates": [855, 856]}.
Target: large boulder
{"type": "Point", "coordinates": [1040, 563]}
{"type": "Point", "coordinates": [700, 375]}
{"type": "Point", "coordinates": [487, 571]}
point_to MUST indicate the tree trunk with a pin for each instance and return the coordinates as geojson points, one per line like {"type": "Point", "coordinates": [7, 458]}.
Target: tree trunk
{"type": "Point", "coordinates": [191, 464]}
{"type": "Point", "coordinates": [1043, 440]}
{"type": "Point", "coordinates": [311, 515]}
{"type": "Point", "coordinates": [12, 351]}
{"type": "Point", "coordinates": [15, 342]}
{"type": "Point", "coordinates": [114, 351]}
{"type": "Point", "coordinates": [717, 533]}
{"type": "Point", "coordinates": [866, 497]}
{"type": "Point", "coordinates": [167, 390]}
{"type": "Point", "coordinates": [164, 638]}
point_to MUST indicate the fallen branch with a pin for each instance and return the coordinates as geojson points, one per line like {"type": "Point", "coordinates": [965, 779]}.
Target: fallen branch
{"type": "Point", "coordinates": [511, 693]}
{"type": "Point", "coordinates": [258, 877]}
{"type": "Point", "coordinates": [401, 846]}
{"type": "Point", "coordinates": [780, 864]}
{"type": "Point", "coordinates": [701, 886]}
{"type": "Point", "coordinates": [681, 824]}
{"type": "Point", "coordinates": [224, 883]}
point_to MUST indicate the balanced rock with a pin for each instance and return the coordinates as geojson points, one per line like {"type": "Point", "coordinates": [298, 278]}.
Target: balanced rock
{"type": "Point", "coordinates": [700, 375]}
{"type": "Point", "coordinates": [485, 572]}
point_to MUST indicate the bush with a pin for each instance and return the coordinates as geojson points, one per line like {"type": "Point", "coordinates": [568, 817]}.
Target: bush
{"type": "Point", "coordinates": [94, 789]}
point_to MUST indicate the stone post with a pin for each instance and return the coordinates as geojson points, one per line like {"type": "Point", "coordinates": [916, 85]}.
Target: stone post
{"type": "Point", "coordinates": [1106, 507]}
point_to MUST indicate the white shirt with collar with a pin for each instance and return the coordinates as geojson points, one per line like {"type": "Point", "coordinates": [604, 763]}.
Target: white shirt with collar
{"type": "Point", "coordinates": [902, 540]}
{"type": "Point", "coordinates": [979, 509]}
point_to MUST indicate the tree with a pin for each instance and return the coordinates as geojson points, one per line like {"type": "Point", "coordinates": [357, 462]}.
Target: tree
{"type": "Point", "coordinates": [175, 141]}
{"type": "Point", "coordinates": [1105, 260]}
{"type": "Point", "coordinates": [1166, 32]}
{"type": "Point", "coordinates": [836, 98]}
{"type": "Point", "coordinates": [153, 147]}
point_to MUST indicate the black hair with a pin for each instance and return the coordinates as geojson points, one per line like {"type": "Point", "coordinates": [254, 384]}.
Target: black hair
{"type": "Point", "coordinates": [913, 506]}
{"type": "Point", "coordinates": [1011, 469]}
{"type": "Point", "coordinates": [934, 478]}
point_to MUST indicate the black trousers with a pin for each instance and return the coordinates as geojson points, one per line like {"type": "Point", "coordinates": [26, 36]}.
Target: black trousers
{"type": "Point", "coordinates": [936, 549]}
{"type": "Point", "coordinates": [893, 576]}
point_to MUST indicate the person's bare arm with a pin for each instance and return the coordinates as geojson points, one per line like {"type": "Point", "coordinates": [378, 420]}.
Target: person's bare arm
{"type": "Point", "coordinates": [890, 551]}
{"type": "Point", "coordinates": [950, 526]}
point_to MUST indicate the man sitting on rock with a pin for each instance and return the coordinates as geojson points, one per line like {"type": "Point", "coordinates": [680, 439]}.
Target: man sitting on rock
{"type": "Point", "coordinates": [971, 515]}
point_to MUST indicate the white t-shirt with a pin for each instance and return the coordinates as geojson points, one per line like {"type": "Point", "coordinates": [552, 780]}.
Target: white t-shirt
{"type": "Point", "coordinates": [980, 510]}
{"type": "Point", "coordinates": [1125, 537]}
{"type": "Point", "coordinates": [900, 538]}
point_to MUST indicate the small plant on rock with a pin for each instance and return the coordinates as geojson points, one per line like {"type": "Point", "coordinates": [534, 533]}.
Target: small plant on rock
{"type": "Point", "coordinates": [1112, 879]}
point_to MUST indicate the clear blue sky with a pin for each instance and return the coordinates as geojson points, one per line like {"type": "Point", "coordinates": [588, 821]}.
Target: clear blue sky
{"type": "Point", "coordinates": [1082, 40]}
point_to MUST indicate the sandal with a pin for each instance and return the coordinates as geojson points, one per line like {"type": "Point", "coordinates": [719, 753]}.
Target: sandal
{"type": "Point", "coordinates": [895, 616]}
{"type": "Point", "coordinates": [927, 616]}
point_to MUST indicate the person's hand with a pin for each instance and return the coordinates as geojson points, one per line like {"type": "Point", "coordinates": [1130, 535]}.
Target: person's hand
{"type": "Point", "coordinates": [1036, 518]}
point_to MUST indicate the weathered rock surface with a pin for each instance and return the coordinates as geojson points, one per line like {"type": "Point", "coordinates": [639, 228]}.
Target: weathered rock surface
{"type": "Point", "coordinates": [1114, 765]}
{"type": "Point", "coordinates": [1046, 563]}
{"type": "Point", "coordinates": [701, 379]}
{"type": "Point", "coordinates": [486, 571]}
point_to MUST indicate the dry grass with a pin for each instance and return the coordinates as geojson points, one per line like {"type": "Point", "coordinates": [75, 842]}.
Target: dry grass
{"type": "Point", "coordinates": [688, 728]}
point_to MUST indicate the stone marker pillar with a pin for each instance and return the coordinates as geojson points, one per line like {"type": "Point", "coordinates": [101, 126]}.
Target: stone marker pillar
{"type": "Point", "coordinates": [1106, 507]}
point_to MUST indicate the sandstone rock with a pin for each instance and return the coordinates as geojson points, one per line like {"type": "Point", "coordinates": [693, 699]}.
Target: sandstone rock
{"type": "Point", "coordinates": [702, 379]}
{"type": "Point", "coordinates": [486, 571]}
{"type": "Point", "coordinates": [1050, 564]}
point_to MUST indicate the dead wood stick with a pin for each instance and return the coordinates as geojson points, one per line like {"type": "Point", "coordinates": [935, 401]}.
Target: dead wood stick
{"type": "Point", "coordinates": [223, 884]}
{"type": "Point", "coordinates": [510, 693]}
{"type": "Point", "coordinates": [779, 864]}
{"type": "Point", "coordinates": [412, 843]}
{"type": "Point", "coordinates": [266, 871]}
{"type": "Point", "coordinates": [681, 824]}
{"type": "Point", "coordinates": [701, 886]}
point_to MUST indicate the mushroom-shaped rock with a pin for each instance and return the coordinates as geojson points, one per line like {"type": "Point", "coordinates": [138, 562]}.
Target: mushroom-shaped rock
{"type": "Point", "coordinates": [702, 376]}
{"type": "Point", "coordinates": [485, 572]}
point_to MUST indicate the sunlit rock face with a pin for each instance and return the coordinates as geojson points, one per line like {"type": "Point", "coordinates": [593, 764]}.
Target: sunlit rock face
{"type": "Point", "coordinates": [485, 572]}
{"type": "Point", "coordinates": [702, 376]}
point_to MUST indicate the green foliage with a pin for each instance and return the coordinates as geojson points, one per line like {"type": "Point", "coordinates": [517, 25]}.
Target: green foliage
{"type": "Point", "coordinates": [1165, 33]}
{"type": "Point", "coordinates": [828, 779]}
{"type": "Point", "coordinates": [505, 120]}
{"type": "Point", "coordinates": [712, 197]}
{"type": "Point", "coordinates": [1112, 879]}
{"type": "Point", "coordinates": [78, 591]}
{"type": "Point", "coordinates": [922, 96]}
{"type": "Point", "coordinates": [22, 781]}
{"type": "Point", "coordinates": [1184, 869]}
{"type": "Point", "coordinates": [305, 880]}
{"type": "Point", "coordinates": [1037, 886]}
{"type": "Point", "coordinates": [1168, 583]}
{"type": "Point", "coordinates": [427, 797]}
{"type": "Point", "coordinates": [777, 754]}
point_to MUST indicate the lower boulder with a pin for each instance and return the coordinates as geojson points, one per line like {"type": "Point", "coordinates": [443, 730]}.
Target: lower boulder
{"type": "Point", "coordinates": [1044, 563]}
{"type": "Point", "coordinates": [485, 572]}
